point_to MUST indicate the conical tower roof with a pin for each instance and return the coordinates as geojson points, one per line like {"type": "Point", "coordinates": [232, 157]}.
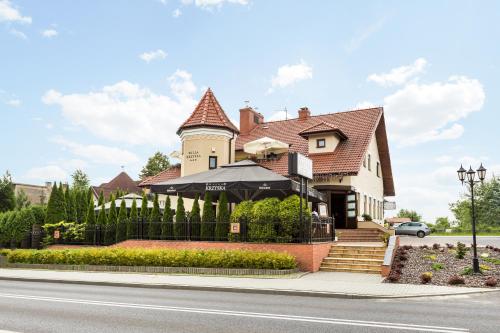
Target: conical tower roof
{"type": "Point", "coordinates": [208, 113]}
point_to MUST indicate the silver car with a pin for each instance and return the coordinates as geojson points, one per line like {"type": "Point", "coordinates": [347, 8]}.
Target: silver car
{"type": "Point", "coordinates": [418, 229]}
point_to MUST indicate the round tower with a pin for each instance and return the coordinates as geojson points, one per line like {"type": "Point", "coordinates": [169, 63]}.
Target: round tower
{"type": "Point", "coordinates": [208, 137]}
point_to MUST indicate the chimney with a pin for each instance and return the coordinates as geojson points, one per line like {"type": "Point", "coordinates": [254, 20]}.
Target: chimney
{"type": "Point", "coordinates": [249, 119]}
{"type": "Point", "coordinates": [304, 113]}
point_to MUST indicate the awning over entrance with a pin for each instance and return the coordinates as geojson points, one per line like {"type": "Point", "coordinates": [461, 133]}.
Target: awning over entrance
{"type": "Point", "coordinates": [244, 180]}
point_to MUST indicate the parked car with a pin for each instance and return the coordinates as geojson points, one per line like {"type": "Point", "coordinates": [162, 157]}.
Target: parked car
{"type": "Point", "coordinates": [418, 229]}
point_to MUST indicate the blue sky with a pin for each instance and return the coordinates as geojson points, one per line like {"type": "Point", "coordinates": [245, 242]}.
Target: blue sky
{"type": "Point", "coordinates": [101, 84]}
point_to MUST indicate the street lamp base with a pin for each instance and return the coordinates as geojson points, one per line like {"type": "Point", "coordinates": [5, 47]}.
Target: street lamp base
{"type": "Point", "coordinates": [475, 265]}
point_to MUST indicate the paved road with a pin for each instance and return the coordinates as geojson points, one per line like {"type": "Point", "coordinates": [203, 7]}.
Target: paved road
{"type": "Point", "coordinates": [49, 307]}
{"type": "Point", "coordinates": [429, 240]}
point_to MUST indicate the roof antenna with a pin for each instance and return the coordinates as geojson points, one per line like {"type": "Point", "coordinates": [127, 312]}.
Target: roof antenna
{"type": "Point", "coordinates": [247, 104]}
{"type": "Point", "coordinates": [284, 110]}
{"type": "Point", "coordinates": [123, 167]}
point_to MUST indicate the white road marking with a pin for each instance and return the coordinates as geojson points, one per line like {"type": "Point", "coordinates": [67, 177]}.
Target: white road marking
{"type": "Point", "coordinates": [322, 320]}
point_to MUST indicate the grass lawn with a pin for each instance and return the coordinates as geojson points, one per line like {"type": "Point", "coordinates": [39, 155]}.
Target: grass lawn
{"type": "Point", "coordinates": [497, 233]}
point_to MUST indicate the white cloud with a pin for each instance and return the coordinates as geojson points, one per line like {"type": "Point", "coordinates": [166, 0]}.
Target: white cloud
{"type": "Point", "coordinates": [14, 102]}
{"type": "Point", "coordinates": [210, 4]}
{"type": "Point", "coordinates": [18, 34]}
{"type": "Point", "coordinates": [290, 74]}
{"type": "Point", "coordinates": [49, 33]}
{"type": "Point", "coordinates": [47, 173]}
{"type": "Point", "coordinates": [98, 153]}
{"type": "Point", "coordinates": [399, 75]}
{"type": "Point", "coordinates": [443, 159]}
{"type": "Point", "coordinates": [49, 126]}
{"type": "Point", "coordinates": [128, 113]}
{"type": "Point", "coordinates": [427, 112]}
{"type": "Point", "coordinates": [8, 13]}
{"type": "Point", "coordinates": [364, 34]}
{"type": "Point", "coordinates": [153, 55]}
{"type": "Point", "coordinates": [176, 13]}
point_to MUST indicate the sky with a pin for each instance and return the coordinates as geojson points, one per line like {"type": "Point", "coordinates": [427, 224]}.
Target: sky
{"type": "Point", "coordinates": [102, 85]}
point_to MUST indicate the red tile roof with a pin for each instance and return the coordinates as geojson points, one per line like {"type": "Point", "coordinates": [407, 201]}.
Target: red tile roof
{"type": "Point", "coordinates": [358, 126]}
{"type": "Point", "coordinates": [322, 127]}
{"type": "Point", "coordinates": [208, 113]}
{"type": "Point", "coordinates": [121, 182]}
{"type": "Point", "coordinates": [171, 173]}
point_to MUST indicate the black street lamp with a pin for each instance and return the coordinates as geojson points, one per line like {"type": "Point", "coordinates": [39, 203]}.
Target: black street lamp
{"type": "Point", "coordinates": [471, 175]}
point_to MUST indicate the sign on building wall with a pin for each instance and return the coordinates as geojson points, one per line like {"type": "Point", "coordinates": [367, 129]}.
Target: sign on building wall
{"type": "Point", "coordinates": [389, 205]}
{"type": "Point", "coordinates": [299, 165]}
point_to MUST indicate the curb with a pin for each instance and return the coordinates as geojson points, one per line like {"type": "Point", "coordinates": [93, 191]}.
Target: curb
{"type": "Point", "coordinates": [282, 292]}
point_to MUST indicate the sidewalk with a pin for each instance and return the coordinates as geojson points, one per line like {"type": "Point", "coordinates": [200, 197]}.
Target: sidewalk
{"type": "Point", "coordinates": [326, 284]}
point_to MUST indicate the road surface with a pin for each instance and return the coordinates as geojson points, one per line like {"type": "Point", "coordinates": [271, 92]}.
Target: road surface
{"type": "Point", "coordinates": [429, 240]}
{"type": "Point", "coordinates": [49, 307]}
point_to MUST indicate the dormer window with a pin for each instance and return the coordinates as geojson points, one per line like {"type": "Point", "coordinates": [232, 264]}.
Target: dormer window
{"type": "Point", "coordinates": [320, 143]}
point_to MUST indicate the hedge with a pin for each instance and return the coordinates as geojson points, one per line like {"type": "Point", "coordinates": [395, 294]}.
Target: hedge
{"type": "Point", "coordinates": [156, 257]}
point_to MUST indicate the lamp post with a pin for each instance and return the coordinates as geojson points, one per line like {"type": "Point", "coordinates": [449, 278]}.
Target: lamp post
{"type": "Point", "coordinates": [468, 177]}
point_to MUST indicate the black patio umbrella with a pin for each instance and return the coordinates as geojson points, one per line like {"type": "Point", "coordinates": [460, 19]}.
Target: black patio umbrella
{"type": "Point", "coordinates": [244, 180]}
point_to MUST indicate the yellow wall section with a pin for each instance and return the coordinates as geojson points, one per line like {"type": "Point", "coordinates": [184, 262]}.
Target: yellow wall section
{"type": "Point", "coordinates": [331, 142]}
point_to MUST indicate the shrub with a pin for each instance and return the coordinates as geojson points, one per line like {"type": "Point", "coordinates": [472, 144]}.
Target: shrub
{"type": "Point", "coordinates": [495, 261]}
{"type": "Point", "coordinates": [430, 257]}
{"type": "Point", "coordinates": [154, 228]}
{"type": "Point", "coordinates": [407, 247]}
{"type": "Point", "coordinates": [467, 271]}
{"type": "Point", "coordinates": [455, 279]}
{"type": "Point", "coordinates": [167, 227]}
{"type": "Point", "coordinates": [289, 217]}
{"type": "Point", "coordinates": [264, 219]}
{"type": "Point", "coordinates": [180, 219]}
{"type": "Point", "coordinates": [437, 266]}
{"type": "Point", "coordinates": [424, 246]}
{"type": "Point", "coordinates": [208, 218]}
{"type": "Point", "coordinates": [426, 277]}
{"type": "Point", "coordinates": [222, 225]}
{"type": "Point", "coordinates": [157, 257]}
{"type": "Point", "coordinates": [394, 276]}
{"type": "Point", "coordinates": [450, 246]}
{"type": "Point", "coordinates": [484, 267]}
{"type": "Point", "coordinates": [461, 251]}
{"type": "Point", "coordinates": [491, 282]}
{"type": "Point", "coordinates": [195, 219]}
{"type": "Point", "coordinates": [366, 217]}
{"type": "Point", "coordinates": [436, 246]}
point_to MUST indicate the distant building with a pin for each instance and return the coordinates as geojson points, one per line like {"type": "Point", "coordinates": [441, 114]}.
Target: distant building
{"type": "Point", "coordinates": [123, 182]}
{"type": "Point", "coordinates": [37, 194]}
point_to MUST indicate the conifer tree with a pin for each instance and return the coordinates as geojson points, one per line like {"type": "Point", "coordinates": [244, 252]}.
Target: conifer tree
{"type": "Point", "coordinates": [110, 235]}
{"type": "Point", "coordinates": [207, 219]}
{"type": "Point", "coordinates": [100, 201]}
{"type": "Point", "coordinates": [144, 216]}
{"type": "Point", "coordinates": [56, 211]}
{"type": "Point", "coordinates": [222, 226]}
{"type": "Point", "coordinates": [71, 205]}
{"type": "Point", "coordinates": [155, 220]}
{"type": "Point", "coordinates": [90, 222]}
{"type": "Point", "coordinates": [102, 220]}
{"type": "Point", "coordinates": [132, 220]}
{"type": "Point", "coordinates": [167, 226]}
{"type": "Point", "coordinates": [180, 219]}
{"type": "Point", "coordinates": [121, 228]}
{"type": "Point", "coordinates": [195, 219]}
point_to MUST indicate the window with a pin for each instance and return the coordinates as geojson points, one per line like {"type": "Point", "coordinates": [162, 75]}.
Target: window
{"type": "Point", "coordinates": [378, 169]}
{"type": "Point", "coordinates": [364, 161]}
{"type": "Point", "coordinates": [365, 205]}
{"type": "Point", "coordinates": [369, 162]}
{"type": "Point", "coordinates": [320, 143]}
{"type": "Point", "coordinates": [212, 162]}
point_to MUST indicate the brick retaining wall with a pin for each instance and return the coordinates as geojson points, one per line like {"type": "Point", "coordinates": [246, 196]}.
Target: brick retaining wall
{"type": "Point", "coordinates": [309, 256]}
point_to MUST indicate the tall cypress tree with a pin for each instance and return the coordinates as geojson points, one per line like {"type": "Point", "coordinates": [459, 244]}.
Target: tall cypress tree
{"type": "Point", "coordinates": [71, 205]}
{"type": "Point", "coordinates": [207, 219]}
{"type": "Point", "coordinates": [102, 220]}
{"type": "Point", "coordinates": [121, 228]}
{"type": "Point", "coordinates": [62, 197]}
{"type": "Point", "coordinates": [132, 221]}
{"type": "Point", "coordinates": [56, 210]}
{"type": "Point", "coordinates": [222, 226]}
{"type": "Point", "coordinates": [144, 216]}
{"type": "Point", "coordinates": [155, 220]}
{"type": "Point", "coordinates": [110, 235]}
{"type": "Point", "coordinates": [195, 219]}
{"type": "Point", "coordinates": [180, 219]}
{"type": "Point", "coordinates": [90, 222]}
{"type": "Point", "coordinates": [100, 201]}
{"type": "Point", "coordinates": [167, 227]}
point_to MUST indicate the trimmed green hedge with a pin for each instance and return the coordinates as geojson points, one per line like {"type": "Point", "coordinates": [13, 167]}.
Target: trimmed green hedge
{"type": "Point", "coordinates": [156, 257]}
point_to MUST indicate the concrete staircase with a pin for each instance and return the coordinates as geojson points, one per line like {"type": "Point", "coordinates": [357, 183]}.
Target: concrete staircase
{"type": "Point", "coordinates": [354, 258]}
{"type": "Point", "coordinates": [359, 235]}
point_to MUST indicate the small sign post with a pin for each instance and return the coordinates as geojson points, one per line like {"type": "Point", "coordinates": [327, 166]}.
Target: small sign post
{"type": "Point", "coordinates": [235, 228]}
{"type": "Point", "coordinates": [57, 234]}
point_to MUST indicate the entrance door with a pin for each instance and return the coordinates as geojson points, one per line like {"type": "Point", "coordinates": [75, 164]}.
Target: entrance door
{"type": "Point", "coordinates": [338, 210]}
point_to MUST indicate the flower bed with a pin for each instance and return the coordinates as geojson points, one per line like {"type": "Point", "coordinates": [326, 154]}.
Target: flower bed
{"type": "Point", "coordinates": [441, 265]}
{"type": "Point", "coordinates": [156, 258]}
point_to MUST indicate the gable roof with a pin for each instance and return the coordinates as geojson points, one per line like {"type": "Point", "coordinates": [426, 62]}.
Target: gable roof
{"type": "Point", "coordinates": [171, 173]}
{"type": "Point", "coordinates": [208, 113]}
{"type": "Point", "coordinates": [359, 126]}
{"type": "Point", "coordinates": [322, 127]}
{"type": "Point", "coordinates": [121, 182]}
